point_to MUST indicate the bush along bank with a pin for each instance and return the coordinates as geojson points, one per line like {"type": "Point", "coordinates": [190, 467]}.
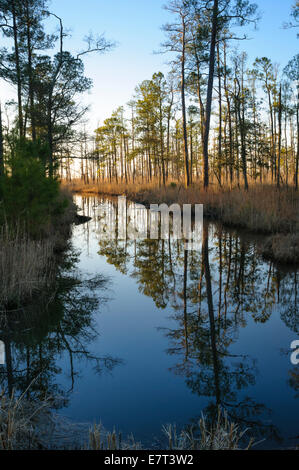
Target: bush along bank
{"type": "Point", "coordinates": [35, 225]}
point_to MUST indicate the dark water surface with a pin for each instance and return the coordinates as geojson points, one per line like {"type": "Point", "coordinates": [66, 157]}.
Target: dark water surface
{"type": "Point", "coordinates": [129, 340]}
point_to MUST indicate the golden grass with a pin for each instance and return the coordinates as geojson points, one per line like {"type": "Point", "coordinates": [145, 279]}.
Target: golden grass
{"type": "Point", "coordinates": [261, 209]}
{"type": "Point", "coordinates": [112, 189]}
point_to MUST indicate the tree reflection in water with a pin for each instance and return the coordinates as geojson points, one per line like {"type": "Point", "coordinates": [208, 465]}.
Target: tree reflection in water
{"type": "Point", "coordinates": [213, 293]}
{"type": "Point", "coordinates": [52, 326]}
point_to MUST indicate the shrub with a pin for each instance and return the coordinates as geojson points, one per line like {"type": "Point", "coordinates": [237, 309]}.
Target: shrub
{"type": "Point", "coordinates": [28, 196]}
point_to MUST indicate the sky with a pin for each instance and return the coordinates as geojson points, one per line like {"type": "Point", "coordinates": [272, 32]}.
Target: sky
{"type": "Point", "coordinates": [136, 27]}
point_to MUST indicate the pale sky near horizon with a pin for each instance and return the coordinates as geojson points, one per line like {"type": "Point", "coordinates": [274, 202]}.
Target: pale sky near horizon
{"type": "Point", "coordinates": [136, 26]}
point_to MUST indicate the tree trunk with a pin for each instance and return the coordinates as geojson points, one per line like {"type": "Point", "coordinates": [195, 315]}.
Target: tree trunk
{"type": "Point", "coordinates": [30, 73]}
{"type": "Point", "coordinates": [18, 68]}
{"type": "Point", "coordinates": [220, 118]}
{"type": "Point", "coordinates": [243, 144]}
{"type": "Point", "coordinates": [187, 177]}
{"type": "Point", "coordinates": [210, 93]}
{"type": "Point", "coordinates": [1, 146]}
{"type": "Point", "coordinates": [279, 140]}
{"type": "Point", "coordinates": [297, 153]}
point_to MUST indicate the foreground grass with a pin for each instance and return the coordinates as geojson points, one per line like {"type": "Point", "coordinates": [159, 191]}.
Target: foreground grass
{"type": "Point", "coordinates": [222, 435]}
{"type": "Point", "coordinates": [21, 422]}
{"type": "Point", "coordinates": [262, 209]}
{"type": "Point", "coordinates": [28, 425]}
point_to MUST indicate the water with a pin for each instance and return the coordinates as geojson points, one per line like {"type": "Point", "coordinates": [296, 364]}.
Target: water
{"type": "Point", "coordinates": [128, 338]}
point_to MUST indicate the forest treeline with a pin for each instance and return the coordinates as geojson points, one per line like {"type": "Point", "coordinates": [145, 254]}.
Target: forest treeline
{"type": "Point", "coordinates": [214, 116]}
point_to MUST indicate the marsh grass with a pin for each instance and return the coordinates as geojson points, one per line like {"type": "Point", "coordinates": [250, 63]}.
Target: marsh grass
{"type": "Point", "coordinates": [283, 248]}
{"type": "Point", "coordinates": [21, 422]}
{"type": "Point", "coordinates": [25, 424]}
{"type": "Point", "coordinates": [261, 209]}
{"type": "Point", "coordinates": [27, 264]}
{"type": "Point", "coordinates": [221, 435]}
{"type": "Point", "coordinates": [99, 439]}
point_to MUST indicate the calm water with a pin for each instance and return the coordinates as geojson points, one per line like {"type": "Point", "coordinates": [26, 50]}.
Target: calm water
{"type": "Point", "coordinates": [129, 340]}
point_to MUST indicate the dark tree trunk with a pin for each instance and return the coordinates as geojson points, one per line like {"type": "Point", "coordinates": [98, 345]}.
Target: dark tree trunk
{"type": "Point", "coordinates": [1, 146]}
{"type": "Point", "coordinates": [242, 129]}
{"type": "Point", "coordinates": [18, 68]}
{"type": "Point", "coordinates": [30, 73]}
{"type": "Point", "coordinates": [210, 93]}
{"type": "Point", "coordinates": [297, 153]}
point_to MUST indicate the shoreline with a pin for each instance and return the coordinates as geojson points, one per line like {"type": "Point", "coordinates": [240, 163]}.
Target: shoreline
{"type": "Point", "coordinates": [34, 259]}
{"type": "Point", "coordinates": [278, 222]}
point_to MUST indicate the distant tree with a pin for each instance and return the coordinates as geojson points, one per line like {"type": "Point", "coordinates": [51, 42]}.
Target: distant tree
{"type": "Point", "coordinates": [57, 110]}
{"type": "Point", "coordinates": [46, 86]}
{"type": "Point", "coordinates": [292, 72]}
{"type": "Point", "coordinates": [225, 13]}
{"type": "Point", "coordinates": [178, 34]}
{"type": "Point", "coordinates": [22, 21]}
{"type": "Point", "coordinates": [264, 70]}
{"type": "Point", "coordinates": [294, 23]}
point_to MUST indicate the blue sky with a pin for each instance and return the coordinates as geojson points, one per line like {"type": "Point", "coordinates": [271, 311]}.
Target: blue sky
{"type": "Point", "coordinates": [136, 26]}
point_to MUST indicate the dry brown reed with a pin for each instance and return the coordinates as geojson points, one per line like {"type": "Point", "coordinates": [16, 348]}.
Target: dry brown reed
{"type": "Point", "coordinates": [27, 265]}
{"type": "Point", "coordinates": [25, 424]}
{"type": "Point", "coordinates": [21, 422]}
{"type": "Point", "coordinates": [221, 435]}
{"type": "Point", "coordinates": [263, 208]}
{"type": "Point", "coordinates": [99, 439]}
